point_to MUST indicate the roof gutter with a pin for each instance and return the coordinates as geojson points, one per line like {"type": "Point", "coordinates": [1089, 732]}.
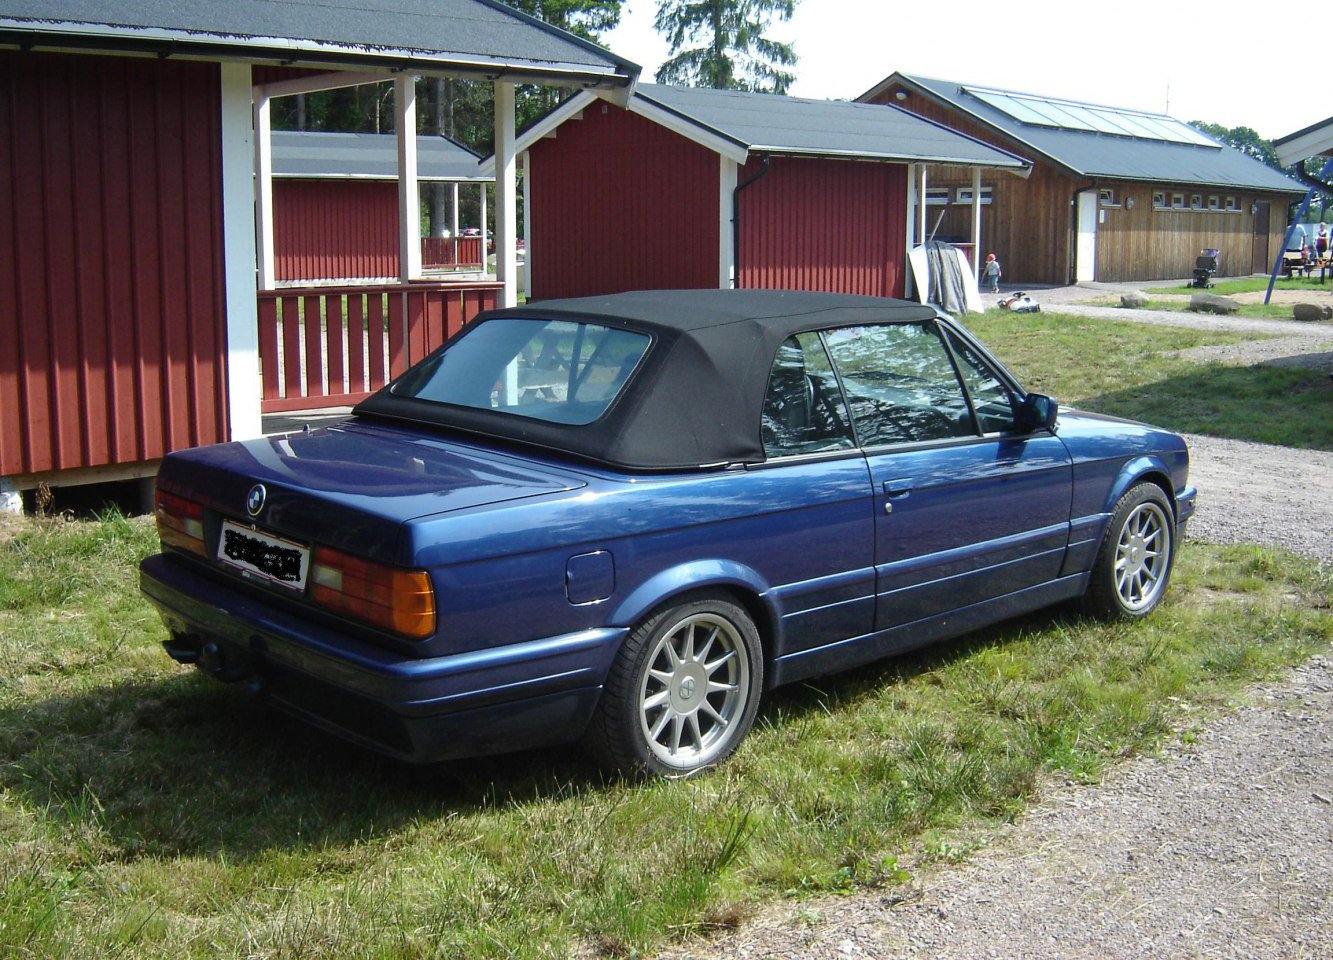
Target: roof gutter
{"type": "Point", "coordinates": [736, 215]}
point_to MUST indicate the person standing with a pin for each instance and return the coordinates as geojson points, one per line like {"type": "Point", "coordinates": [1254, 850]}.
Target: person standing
{"type": "Point", "coordinates": [1321, 241]}
{"type": "Point", "coordinates": [990, 273]}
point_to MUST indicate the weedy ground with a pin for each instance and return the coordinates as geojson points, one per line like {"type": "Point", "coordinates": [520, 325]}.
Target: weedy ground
{"type": "Point", "coordinates": [147, 811]}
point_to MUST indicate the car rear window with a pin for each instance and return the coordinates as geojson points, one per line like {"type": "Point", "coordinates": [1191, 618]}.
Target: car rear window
{"type": "Point", "coordinates": [560, 371]}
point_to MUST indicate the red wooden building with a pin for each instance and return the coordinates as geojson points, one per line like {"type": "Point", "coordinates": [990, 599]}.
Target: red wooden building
{"type": "Point", "coordinates": [335, 205]}
{"type": "Point", "coordinates": [136, 216]}
{"type": "Point", "coordinates": [691, 187]}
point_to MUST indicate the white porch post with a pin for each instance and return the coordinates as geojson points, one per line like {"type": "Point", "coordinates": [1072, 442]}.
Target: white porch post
{"type": "Point", "coordinates": [409, 196]}
{"type": "Point", "coordinates": [238, 244]}
{"type": "Point", "coordinates": [976, 225]}
{"type": "Point", "coordinates": [262, 160]}
{"type": "Point", "coordinates": [483, 230]}
{"type": "Point", "coordinates": [506, 194]}
{"type": "Point", "coordinates": [454, 234]}
{"type": "Point", "coordinates": [527, 224]}
{"type": "Point", "coordinates": [913, 198]}
{"type": "Point", "coordinates": [728, 170]}
{"type": "Point", "coordinates": [921, 205]}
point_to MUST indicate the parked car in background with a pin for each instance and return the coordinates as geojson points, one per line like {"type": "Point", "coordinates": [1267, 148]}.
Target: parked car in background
{"type": "Point", "coordinates": [623, 519]}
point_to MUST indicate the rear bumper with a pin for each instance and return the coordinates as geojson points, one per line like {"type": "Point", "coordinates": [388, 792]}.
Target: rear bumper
{"type": "Point", "coordinates": [513, 697]}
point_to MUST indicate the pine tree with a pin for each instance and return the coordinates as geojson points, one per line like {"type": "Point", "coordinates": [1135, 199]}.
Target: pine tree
{"type": "Point", "coordinates": [721, 44]}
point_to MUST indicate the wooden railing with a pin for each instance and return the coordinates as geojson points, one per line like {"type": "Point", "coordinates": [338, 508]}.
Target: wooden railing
{"type": "Point", "coordinates": [439, 252]}
{"type": "Point", "coordinates": [334, 346]}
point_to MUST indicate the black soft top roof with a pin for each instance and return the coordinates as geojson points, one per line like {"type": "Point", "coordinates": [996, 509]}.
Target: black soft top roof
{"type": "Point", "coordinates": [695, 400]}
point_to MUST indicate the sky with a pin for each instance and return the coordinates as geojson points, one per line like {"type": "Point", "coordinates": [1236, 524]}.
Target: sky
{"type": "Point", "coordinates": [1221, 61]}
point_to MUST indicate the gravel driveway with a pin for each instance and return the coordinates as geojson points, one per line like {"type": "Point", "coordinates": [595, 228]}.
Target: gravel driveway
{"type": "Point", "coordinates": [1220, 849]}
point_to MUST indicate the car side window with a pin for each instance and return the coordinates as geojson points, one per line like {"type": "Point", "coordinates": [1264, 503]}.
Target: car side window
{"type": "Point", "coordinates": [900, 383]}
{"type": "Point", "coordinates": [804, 411]}
{"type": "Point", "coordinates": [991, 399]}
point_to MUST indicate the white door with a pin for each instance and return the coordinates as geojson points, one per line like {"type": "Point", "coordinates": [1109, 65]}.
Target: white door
{"type": "Point", "coordinates": [1085, 262]}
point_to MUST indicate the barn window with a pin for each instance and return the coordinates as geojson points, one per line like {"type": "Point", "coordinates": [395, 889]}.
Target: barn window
{"type": "Point", "coordinates": [964, 195]}
{"type": "Point", "coordinates": [1232, 206]}
{"type": "Point", "coordinates": [1214, 202]}
{"type": "Point", "coordinates": [1106, 198]}
{"type": "Point", "coordinates": [1159, 200]}
{"type": "Point", "coordinates": [937, 196]}
{"type": "Point", "coordinates": [1177, 201]}
{"type": "Point", "coordinates": [1196, 201]}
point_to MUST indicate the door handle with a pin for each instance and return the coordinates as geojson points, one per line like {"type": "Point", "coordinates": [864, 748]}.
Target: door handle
{"type": "Point", "coordinates": [896, 490]}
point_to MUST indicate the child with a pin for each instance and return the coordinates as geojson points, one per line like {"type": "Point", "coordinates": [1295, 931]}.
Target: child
{"type": "Point", "coordinates": [990, 273]}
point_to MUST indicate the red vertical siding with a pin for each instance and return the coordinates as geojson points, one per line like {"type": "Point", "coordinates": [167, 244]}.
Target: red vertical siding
{"type": "Point", "coordinates": [620, 203]}
{"type": "Point", "coordinates": [112, 327]}
{"type": "Point", "coordinates": [832, 225]}
{"type": "Point", "coordinates": [335, 229]}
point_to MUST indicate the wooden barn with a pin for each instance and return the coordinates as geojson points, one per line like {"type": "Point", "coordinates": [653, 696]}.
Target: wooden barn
{"type": "Point", "coordinates": [1114, 195]}
{"type": "Point", "coordinates": [695, 188]}
{"type": "Point", "coordinates": [139, 312]}
{"type": "Point", "coordinates": [335, 206]}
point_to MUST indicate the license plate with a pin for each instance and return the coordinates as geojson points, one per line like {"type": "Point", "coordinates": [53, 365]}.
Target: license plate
{"type": "Point", "coordinates": [263, 556]}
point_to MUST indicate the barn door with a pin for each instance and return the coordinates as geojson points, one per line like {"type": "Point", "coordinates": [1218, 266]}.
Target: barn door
{"type": "Point", "coordinates": [1085, 262]}
{"type": "Point", "coordinates": [1259, 259]}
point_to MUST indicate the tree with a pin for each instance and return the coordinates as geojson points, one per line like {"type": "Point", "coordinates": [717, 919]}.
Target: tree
{"type": "Point", "coordinates": [588, 19]}
{"type": "Point", "coordinates": [721, 44]}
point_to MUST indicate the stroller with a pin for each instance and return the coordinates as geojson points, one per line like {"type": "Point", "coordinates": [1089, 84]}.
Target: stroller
{"type": "Point", "coordinates": [1206, 265]}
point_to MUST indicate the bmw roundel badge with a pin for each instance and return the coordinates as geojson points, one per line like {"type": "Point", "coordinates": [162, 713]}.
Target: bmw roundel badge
{"type": "Point", "coordinates": [255, 500]}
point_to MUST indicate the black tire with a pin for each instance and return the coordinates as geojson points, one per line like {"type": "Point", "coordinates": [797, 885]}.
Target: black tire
{"type": "Point", "coordinates": [673, 719]}
{"type": "Point", "coordinates": [1134, 562]}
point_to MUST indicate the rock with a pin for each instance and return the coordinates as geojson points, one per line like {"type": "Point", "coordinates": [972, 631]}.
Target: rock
{"type": "Point", "coordinates": [1311, 313]}
{"type": "Point", "coordinates": [1134, 300]}
{"type": "Point", "coordinates": [1212, 303]}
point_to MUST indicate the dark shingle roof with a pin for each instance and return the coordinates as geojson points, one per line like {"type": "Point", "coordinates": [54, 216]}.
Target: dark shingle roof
{"type": "Point", "coordinates": [372, 156]}
{"type": "Point", "coordinates": [421, 33]}
{"type": "Point", "coordinates": [768, 123]}
{"type": "Point", "coordinates": [1091, 154]}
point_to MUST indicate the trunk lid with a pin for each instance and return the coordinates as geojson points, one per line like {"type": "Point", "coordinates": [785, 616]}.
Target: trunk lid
{"type": "Point", "coordinates": [352, 486]}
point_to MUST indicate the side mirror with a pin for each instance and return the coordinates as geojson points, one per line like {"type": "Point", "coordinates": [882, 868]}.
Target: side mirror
{"type": "Point", "coordinates": [1037, 412]}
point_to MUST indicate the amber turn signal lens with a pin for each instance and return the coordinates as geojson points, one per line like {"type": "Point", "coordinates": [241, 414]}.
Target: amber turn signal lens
{"type": "Point", "coordinates": [399, 600]}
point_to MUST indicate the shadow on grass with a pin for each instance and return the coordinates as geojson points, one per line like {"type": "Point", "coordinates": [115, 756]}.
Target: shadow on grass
{"type": "Point", "coordinates": [186, 766]}
{"type": "Point", "coordinates": [1288, 406]}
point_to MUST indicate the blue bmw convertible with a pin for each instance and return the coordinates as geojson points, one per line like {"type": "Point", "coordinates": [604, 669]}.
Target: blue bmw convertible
{"type": "Point", "coordinates": [622, 519]}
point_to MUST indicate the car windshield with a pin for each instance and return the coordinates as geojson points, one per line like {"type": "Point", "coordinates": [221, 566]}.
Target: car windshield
{"type": "Point", "coordinates": [560, 371]}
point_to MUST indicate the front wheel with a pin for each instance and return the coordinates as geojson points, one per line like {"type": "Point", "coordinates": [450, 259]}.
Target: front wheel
{"type": "Point", "coordinates": [1134, 563]}
{"type": "Point", "coordinates": [682, 693]}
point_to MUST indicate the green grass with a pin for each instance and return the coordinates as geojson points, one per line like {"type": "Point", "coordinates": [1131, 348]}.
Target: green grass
{"type": "Point", "coordinates": [147, 811]}
{"type": "Point", "coordinates": [1124, 368]}
{"type": "Point", "coordinates": [1226, 288]}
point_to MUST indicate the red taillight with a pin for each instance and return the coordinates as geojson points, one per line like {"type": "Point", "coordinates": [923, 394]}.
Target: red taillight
{"type": "Point", "coordinates": [399, 600]}
{"type": "Point", "coordinates": [180, 522]}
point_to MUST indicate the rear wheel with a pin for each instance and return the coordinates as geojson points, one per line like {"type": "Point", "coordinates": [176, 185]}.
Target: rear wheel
{"type": "Point", "coordinates": [682, 692]}
{"type": "Point", "coordinates": [1134, 564]}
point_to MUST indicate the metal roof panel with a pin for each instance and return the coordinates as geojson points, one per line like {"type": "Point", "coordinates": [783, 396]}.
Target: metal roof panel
{"type": "Point", "coordinates": [1092, 154]}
